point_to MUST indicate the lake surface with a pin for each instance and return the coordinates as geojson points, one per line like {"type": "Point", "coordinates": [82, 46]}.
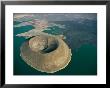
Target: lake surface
{"type": "Point", "coordinates": [82, 39]}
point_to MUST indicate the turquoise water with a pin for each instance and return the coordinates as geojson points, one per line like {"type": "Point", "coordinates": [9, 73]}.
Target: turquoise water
{"type": "Point", "coordinates": [83, 61]}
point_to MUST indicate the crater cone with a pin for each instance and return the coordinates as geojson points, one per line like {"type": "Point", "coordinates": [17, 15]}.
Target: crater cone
{"type": "Point", "coordinates": [46, 53]}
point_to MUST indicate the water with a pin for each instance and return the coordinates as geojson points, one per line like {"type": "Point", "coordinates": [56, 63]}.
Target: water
{"type": "Point", "coordinates": [83, 61]}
